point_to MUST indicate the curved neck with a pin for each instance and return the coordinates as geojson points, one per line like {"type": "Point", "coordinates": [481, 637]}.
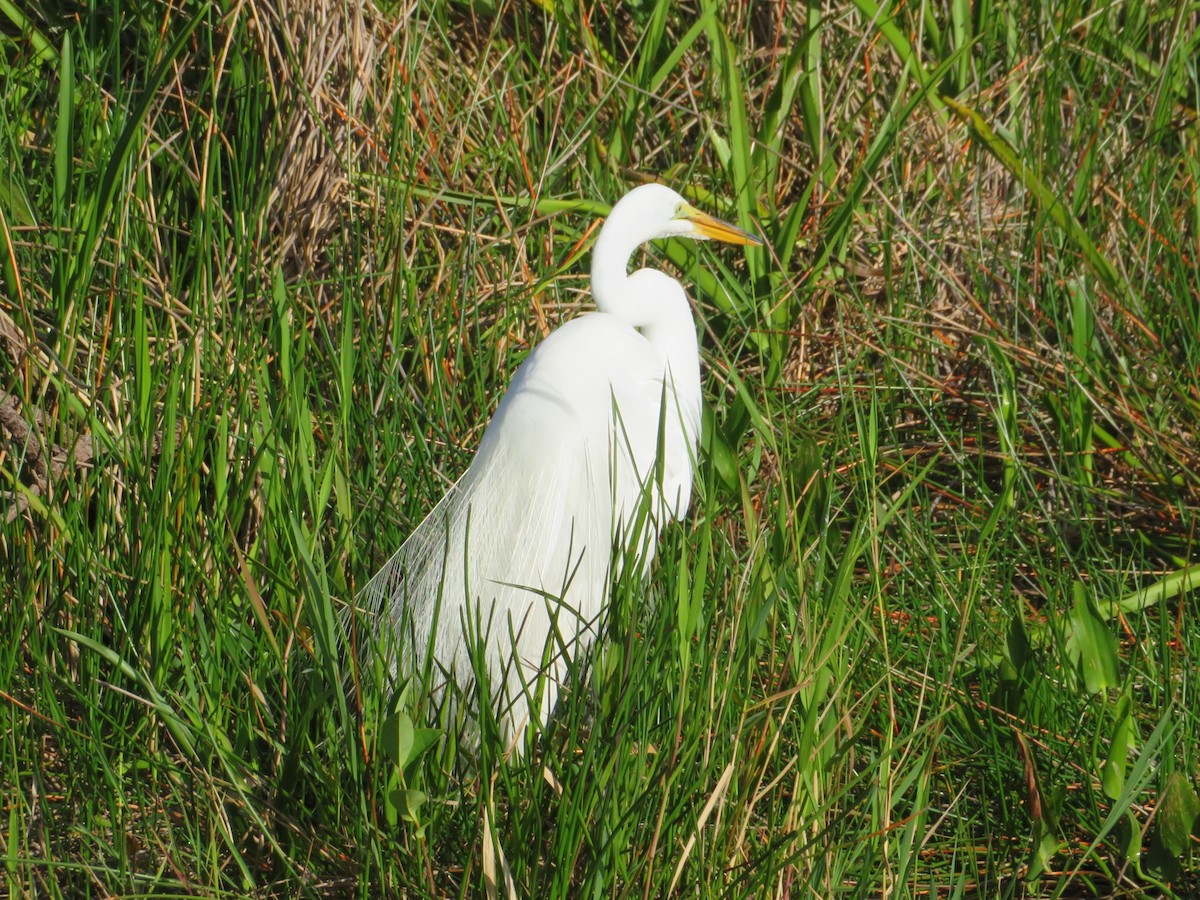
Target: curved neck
{"type": "Point", "coordinates": [654, 303]}
{"type": "Point", "coordinates": [610, 275]}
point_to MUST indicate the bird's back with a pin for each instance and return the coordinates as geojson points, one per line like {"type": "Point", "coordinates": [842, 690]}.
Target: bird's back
{"type": "Point", "coordinates": [519, 551]}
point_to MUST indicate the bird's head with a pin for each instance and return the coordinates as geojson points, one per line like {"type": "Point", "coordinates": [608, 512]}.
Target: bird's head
{"type": "Point", "coordinates": [655, 211]}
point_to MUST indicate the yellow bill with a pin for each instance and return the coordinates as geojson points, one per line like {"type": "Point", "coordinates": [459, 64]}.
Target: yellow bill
{"type": "Point", "coordinates": [715, 229]}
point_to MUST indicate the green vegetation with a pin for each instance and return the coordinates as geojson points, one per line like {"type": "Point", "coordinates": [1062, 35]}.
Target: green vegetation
{"type": "Point", "coordinates": [930, 629]}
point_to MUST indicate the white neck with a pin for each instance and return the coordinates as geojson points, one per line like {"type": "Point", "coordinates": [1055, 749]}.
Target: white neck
{"type": "Point", "coordinates": [610, 273]}
{"type": "Point", "coordinates": [649, 300]}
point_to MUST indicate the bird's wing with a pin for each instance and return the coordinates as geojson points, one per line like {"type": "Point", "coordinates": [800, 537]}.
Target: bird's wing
{"type": "Point", "coordinates": [521, 546]}
{"type": "Point", "coordinates": [526, 532]}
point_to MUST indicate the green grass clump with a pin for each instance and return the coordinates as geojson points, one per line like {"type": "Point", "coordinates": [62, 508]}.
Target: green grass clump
{"type": "Point", "coordinates": [929, 629]}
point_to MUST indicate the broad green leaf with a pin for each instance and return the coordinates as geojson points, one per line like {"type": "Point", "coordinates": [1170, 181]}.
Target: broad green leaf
{"type": "Point", "coordinates": [1121, 742]}
{"type": "Point", "coordinates": [1044, 851]}
{"type": "Point", "coordinates": [1091, 645]}
{"type": "Point", "coordinates": [1169, 587]}
{"type": "Point", "coordinates": [408, 802]}
{"type": "Point", "coordinates": [1131, 846]}
{"type": "Point", "coordinates": [719, 452]}
{"type": "Point", "coordinates": [397, 737]}
{"type": "Point", "coordinates": [1178, 808]}
{"type": "Point", "coordinates": [423, 739]}
{"type": "Point", "coordinates": [1020, 652]}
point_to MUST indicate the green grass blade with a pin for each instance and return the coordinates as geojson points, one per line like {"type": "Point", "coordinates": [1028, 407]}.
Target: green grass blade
{"type": "Point", "coordinates": [41, 44]}
{"type": "Point", "coordinates": [1045, 197]}
{"type": "Point", "coordinates": [881, 18]}
{"type": "Point", "coordinates": [64, 136]}
{"type": "Point", "coordinates": [112, 177]}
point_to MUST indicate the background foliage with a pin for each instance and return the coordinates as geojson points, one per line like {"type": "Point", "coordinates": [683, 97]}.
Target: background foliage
{"type": "Point", "coordinates": [930, 628]}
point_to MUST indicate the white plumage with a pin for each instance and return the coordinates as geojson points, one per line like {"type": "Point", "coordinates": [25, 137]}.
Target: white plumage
{"type": "Point", "coordinates": [520, 550]}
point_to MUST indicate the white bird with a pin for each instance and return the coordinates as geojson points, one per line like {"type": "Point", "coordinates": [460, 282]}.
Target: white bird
{"type": "Point", "coordinates": [519, 554]}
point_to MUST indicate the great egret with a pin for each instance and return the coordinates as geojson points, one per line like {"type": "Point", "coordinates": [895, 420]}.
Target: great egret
{"type": "Point", "coordinates": [519, 553]}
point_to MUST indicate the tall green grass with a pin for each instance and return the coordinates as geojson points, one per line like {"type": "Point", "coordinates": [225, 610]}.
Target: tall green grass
{"type": "Point", "coordinates": [928, 629]}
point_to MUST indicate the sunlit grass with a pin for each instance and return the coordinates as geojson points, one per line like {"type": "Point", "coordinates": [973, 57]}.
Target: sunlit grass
{"type": "Point", "coordinates": [928, 629]}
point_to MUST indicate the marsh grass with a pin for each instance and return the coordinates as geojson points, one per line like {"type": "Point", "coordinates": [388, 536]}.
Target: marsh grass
{"type": "Point", "coordinates": [929, 628]}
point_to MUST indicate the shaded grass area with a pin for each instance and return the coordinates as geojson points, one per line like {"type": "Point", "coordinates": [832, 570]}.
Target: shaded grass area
{"type": "Point", "coordinates": [930, 626]}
